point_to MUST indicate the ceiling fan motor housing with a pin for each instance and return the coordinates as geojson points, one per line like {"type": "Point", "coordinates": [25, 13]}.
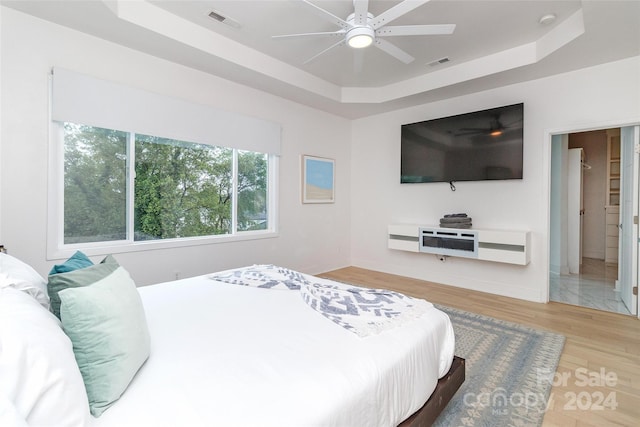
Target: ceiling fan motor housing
{"type": "Point", "coordinates": [359, 36]}
{"type": "Point", "coordinates": [362, 29]}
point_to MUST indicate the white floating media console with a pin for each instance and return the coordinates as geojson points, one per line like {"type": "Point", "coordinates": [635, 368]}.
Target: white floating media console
{"type": "Point", "coordinates": [509, 246]}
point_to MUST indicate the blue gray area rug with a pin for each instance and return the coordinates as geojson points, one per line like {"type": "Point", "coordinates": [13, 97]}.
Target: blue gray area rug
{"type": "Point", "coordinates": [509, 368]}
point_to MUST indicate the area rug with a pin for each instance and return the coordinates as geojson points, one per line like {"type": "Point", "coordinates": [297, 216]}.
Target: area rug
{"type": "Point", "coordinates": [509, 372]}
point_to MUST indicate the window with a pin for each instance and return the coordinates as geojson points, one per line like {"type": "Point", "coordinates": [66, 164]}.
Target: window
{"type": "Point", "coordinates": [132, 169]}
{"type": "Point", "coordinates": [121, 188]}
{"type": "Point", "coordinates": [95, 184]}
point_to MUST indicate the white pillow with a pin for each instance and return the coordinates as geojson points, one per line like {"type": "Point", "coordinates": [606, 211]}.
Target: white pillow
{"type": "Point", "coordinates": [40, 376]}
{"type": "Point", "coordinates": [19, 275]}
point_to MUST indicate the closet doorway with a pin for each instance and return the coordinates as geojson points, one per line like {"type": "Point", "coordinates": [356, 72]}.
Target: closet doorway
{"type": "Point", "coordinates": [589, 263]}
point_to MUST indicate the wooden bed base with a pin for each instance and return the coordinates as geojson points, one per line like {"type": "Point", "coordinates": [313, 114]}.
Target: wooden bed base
{"type": "Point", "coordinates": [446, 388]}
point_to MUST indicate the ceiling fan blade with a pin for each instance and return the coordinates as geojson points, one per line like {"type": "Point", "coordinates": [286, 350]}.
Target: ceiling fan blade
{"type": "Point", "coordinates": [328, 16]}
{"type": "Point", "coordinates": [394, 51]}
{"type": "Point", "coordinates": [416, 30]}
{"type": "Point", "coordinates": [340, 43]}
{"type": "Point", "coordinates": [340, 33]}
{"type": "Point", "coordinates": [475, 129]}
{"type": "Point", "coordinates": [395, 12]}
{"type": "Point", "coordinates": [513, 123]}
{"type": "Point", "coordinates": [360, 11]}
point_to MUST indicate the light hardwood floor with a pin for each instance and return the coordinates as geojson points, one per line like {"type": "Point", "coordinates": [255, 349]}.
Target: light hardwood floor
{"type": "Point", "coordinates": [598, 346]}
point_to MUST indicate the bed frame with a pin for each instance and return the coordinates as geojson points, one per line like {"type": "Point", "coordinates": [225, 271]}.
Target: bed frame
{"type": "Point", "coordinates": [446, 388]}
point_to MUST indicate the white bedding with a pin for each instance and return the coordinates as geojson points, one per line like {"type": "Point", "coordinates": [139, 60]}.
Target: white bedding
{"type": "Point", "coordinates": [229, 355]}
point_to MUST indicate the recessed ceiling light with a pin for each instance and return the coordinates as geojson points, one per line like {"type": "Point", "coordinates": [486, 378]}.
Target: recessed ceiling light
{"type": "Point", "coordinates": [547, 19]}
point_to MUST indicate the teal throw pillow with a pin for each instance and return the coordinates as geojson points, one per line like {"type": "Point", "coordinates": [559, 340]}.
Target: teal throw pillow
{"type": "Point", "coordinates": [77, 278]}
{"type": "Point", "coordinates": [108, 328]}
{"type": "Point", "coordinates": [76, 262]}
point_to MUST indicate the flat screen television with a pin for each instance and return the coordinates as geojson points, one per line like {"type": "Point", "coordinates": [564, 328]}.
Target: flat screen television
{"type": "Point", "coordinates": [483, 145]}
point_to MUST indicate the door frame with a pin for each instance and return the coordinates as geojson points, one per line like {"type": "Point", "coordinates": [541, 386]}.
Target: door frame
{"type": "Point", "coordinates": [628, 210]}
{"type": "Point", "coordinates": [548, 135]}
{"type": "Point", "coordinates": [574, 214]}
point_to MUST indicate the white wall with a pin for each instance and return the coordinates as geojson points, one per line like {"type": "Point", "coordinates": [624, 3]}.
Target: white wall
{"type": "Point", "coordinates": [596, 97]}
{"type": "Point", "coordinates": [594, 144]}
{"type": "Point", "coordinates": [312, 238]}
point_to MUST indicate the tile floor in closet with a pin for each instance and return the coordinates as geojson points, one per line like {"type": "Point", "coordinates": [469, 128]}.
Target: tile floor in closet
{"type": "Point", "coordinates": [594, 287]}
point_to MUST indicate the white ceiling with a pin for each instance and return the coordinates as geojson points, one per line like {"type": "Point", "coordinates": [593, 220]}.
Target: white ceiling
{"type": "Point", "coordinates": [494, 43]}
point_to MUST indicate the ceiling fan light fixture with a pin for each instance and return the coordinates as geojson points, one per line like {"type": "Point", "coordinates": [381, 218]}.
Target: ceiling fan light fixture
{"type": "Point", "coordinates": [360, 37]}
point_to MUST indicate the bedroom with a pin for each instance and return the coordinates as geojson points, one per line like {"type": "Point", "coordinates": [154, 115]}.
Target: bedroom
{"type": "Point", "coordinates": [310, 238]}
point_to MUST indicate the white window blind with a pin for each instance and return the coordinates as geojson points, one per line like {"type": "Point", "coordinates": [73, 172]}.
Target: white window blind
{"type": "Point", "coordinates": [82, 99]}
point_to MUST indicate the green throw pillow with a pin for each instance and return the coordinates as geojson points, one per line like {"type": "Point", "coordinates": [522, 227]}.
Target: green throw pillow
{"type": "Point", "coordinates": [107, 326]}
{"type": "Point", "coordinates": [78, 278]}
{"type": "Point", "coordinates": [76, 262]}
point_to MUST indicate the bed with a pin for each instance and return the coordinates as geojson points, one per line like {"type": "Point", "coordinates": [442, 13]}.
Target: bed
{"type": "Point", "coordinates": [221, 350]}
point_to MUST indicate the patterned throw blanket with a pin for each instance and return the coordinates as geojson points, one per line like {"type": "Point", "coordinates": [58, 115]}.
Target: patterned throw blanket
{"type": "Point", "coordinates": [362, 311]}
{"type": "Point", "coordinates": [263, 276]}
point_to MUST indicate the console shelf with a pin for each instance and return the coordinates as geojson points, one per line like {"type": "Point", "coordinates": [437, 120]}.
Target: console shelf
{"type": "Point", "coordinates": [508, 246]}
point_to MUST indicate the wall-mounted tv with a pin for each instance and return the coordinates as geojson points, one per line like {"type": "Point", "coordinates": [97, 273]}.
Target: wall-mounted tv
{"type": "Point", "coordinates": [483, 145]}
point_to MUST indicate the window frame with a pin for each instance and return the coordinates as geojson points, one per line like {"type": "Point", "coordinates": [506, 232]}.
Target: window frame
{"type": "Point", "coordinates": [57, 249]}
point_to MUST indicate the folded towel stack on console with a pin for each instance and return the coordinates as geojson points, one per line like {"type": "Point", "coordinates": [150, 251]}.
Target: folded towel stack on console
{"type": "Point", "coordinates": [459, 220]}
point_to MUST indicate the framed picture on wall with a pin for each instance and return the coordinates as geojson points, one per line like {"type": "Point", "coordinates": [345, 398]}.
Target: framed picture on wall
{"type": "Point", "coordinates": [318, 178]}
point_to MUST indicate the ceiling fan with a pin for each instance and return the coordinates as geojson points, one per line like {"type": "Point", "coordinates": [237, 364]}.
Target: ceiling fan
{"type": "Point", "coordinates": [495, 128]}
{"type": "Point", "coordinates": [361, 29]}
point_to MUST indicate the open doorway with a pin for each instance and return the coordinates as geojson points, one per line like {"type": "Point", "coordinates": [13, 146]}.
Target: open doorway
{"type": "Point", "coordinates": [586, 192]}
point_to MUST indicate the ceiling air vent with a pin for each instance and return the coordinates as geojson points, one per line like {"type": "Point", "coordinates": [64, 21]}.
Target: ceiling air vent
{"type": "Point", "coordinates": [439, 61]}
{"type": "Point", "coordinates": [214, 14]}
